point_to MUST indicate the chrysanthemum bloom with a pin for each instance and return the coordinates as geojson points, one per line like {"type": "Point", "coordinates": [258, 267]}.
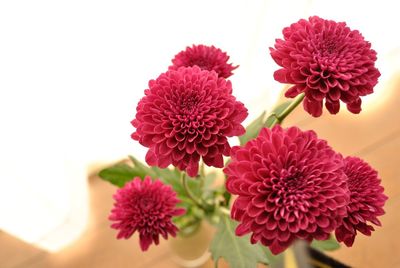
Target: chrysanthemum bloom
{"type": "Point", "coordinates": [366, 200]}
{"type": "Point", "coordinates": [206, 57]}
{"type": "Point", "coordinates": [290, 185]}
{"type": "Point", "coordinates": [325, 60]}
{"type": "Point", "coordinates": [187, 114]}
{"type": "Point", "coordinates": [147, 207]}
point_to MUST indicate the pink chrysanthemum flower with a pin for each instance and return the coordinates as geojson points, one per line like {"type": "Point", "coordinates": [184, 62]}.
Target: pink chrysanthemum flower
{"type": "Point", "coordinates": [207, 58]}
{"type": "Point", "coordinates": [366, 200]}
{"type": "Point", "coordinates": [147, 207]}
{"type": "Point", "coordinates": [187, 114]}
{"type": "Point", "coordinates": [290, 185]}
{"type": "Point", "coordinates": [325, 60]}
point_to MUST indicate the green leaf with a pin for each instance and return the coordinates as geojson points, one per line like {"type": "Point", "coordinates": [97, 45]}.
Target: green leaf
{"type": "Point", "coordinates": [253, 129]}
{"type": "Point", "coordinates": [227, 196]}
{"type": "Point", "coordinates": [120, 174]}
{"type": "Point", "coordinates": [165, 173]}
{"type": "Point", "coordinates": [144, 169]}
{"type": "Point", "coordinates": [172, 177]}
{"type": "Point", "coordinates": [326, 245]}
{"type": "Point", "coordinates": [277, 110]}
{"type": "Point", "coordinates": [237, 251]}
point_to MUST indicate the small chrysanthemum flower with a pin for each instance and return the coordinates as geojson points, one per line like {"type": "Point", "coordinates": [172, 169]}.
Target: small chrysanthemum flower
{"type": "Point", "coordinates": [147, 207]}
{"type": "Point", "coordinates": [207, 58]}
{"type": "Point", "coordinates": [289, 185]}
{"type": "Point", "coordinates": [187, 114]}
{"type": "Point", "coordinates": [327, 61]}
{"type": "Point", "coordinates": [366, 200]}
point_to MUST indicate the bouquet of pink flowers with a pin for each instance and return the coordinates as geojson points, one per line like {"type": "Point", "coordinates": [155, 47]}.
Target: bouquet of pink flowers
{"type": "Point", "coordinates": [280, 184]}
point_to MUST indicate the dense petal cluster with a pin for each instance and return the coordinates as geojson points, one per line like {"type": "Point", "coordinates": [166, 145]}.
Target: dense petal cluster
{"type": "Point", "coordinates": [206, 57]}
{"type": "Point", "coordinates": [187, 114]}
{"type": "Point", "coordinates": [327, 61]}
{"type": "Point", "coordinates": [147, 207]}
{"type": "Point", "coordinates": [290, 185]}
{"type": "Point", "coordinates": [366, 200]}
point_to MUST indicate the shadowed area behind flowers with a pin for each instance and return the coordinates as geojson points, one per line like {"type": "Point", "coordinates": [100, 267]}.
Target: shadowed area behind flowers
{"type": "Point", "coordinates": [373, 135]}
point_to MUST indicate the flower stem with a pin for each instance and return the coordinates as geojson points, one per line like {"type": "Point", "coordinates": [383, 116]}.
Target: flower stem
{"type": "Point", "coordinates": [224, 211]}
{"type": "Point", "coordinates": [202, 175]}
{"type": "Point", "coordinates": [188, 192]}
{"type": "Point", "coordinates": [280, 117]}
{"type": "Point", "coordinates": [189, 228]}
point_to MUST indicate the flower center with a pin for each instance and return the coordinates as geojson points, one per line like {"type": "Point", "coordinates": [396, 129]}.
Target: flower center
{"type": "Point", "coordinates": [188, 106]}
{"type": "Point", "coordinates": [329, 46]}
{"type": "Point", "coordinates": [202, 64]}
{"type": "Point", "coordinates": [326, 47]}
{"type": "Point", "coordinates": [289, 190]}
{"type": "Point", "coordinates": [291, 184]}
{"type": "Point", "coordinates": [189, 112]}
{"type": "Point", "coordinates": [145, 204]}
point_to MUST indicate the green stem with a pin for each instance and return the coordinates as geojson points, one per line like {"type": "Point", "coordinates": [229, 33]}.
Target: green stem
{"type": "Point", "coordinates": [225, 211]}
{"type": "Point", "coordinates": [189, 193]}
{"type": "Point", "coordinates": [189, 228]}
{"type": "Point", "coordinates": [280, 117]}
{"type": "Point", "coordinates": [202, 175]}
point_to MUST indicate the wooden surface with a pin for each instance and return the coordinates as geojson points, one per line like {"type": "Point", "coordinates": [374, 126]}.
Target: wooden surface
{"type": "Point", "coordinates": [373, 135]}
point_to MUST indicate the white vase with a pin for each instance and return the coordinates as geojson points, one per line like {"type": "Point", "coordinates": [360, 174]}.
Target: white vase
{"type": "Point", "coordinates": [192, 250]}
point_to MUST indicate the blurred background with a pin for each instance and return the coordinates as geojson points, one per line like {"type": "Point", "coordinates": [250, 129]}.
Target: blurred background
{"type": "Point", "coordinates": [72, 72]}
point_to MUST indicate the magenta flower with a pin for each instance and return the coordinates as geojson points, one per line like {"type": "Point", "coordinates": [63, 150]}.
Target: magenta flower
{"type": "Point", "coordinates": [147, 207]}
{"type": "Point", "coordinates": [366, 200]}
{"type": "Point", "coordinates": [187, 114]}
{"type": "Point", "coordinates": [327, 61]}
{"type": "Point", "coordinates": [207, 58]}
{"type": "Point", "coordinates": [290, 185]}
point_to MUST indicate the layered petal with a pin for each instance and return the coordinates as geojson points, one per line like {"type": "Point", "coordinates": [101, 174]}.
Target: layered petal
{"type": "Point", "coordinates": [185, 115]}
{"type": "Point", "coordinates": [366, 200]}
{"type": "Point", "coordinates": [205, 57]}
{"type": "Point", "coordinates": [327, 61]}
{"type": "Point", "coordinates": [146, 207]}
{"type": "Point", "coordinates": [290, 185]}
